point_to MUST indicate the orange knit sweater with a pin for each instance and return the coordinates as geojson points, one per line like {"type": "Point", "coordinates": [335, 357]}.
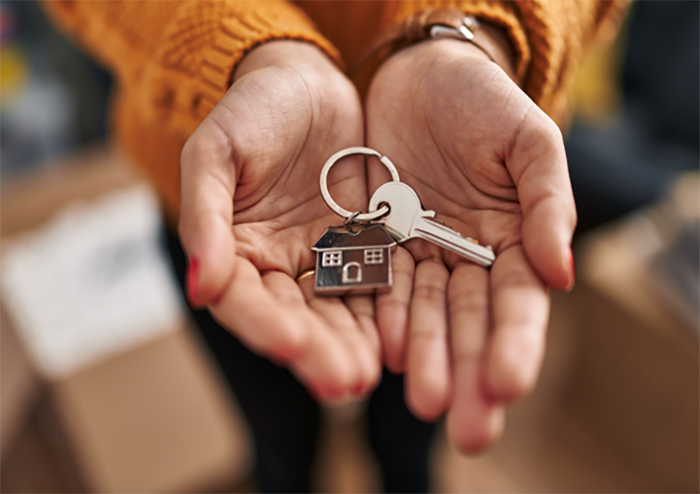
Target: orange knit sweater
{"type": "Point", "coordinates": [173, 60]}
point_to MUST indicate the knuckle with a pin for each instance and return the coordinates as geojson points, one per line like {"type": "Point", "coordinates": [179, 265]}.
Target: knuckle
{"type": "Point", "coordinates": [429, 291]}
{"type": "Point", "coordinates": [520, 278]}
{"type": "Point", "coordinates": [470, 353]}
{"type": "Point", "coordinates": [427, 333]}
{"type": "Point", "coordinates": [470, 303]}
{"type": "Point", "coordinates": [362, 309]}
{"type": "Point", "coordinates": [390, 302]}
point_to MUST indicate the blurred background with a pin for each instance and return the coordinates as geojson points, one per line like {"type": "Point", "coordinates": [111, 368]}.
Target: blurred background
{"type": "Point", "coordinates": [104, 389]}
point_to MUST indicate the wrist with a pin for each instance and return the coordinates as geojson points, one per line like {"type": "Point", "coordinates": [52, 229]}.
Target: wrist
{"type": "Point", "coordinates": [434, 58]}
{"type": "Point", "coordinates": [285, 53]}
{"type": "Point", "coordinates": [487, 42]}
{"type": "Point", "coordinates": [444, 23]}
{"type": "Point", "coordinates": [494, 42]}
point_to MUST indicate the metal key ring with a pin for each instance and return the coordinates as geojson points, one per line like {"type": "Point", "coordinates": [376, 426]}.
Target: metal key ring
{"type": "Point", "coordinates": [371, 216]}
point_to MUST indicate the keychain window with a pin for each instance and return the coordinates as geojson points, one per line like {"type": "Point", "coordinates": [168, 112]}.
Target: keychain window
{"type": "Point", "coordinates": [374, 256]}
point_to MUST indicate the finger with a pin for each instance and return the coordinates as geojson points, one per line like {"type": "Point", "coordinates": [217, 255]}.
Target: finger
{"type": "Point", "coordinates": [327, 366]}
{"type": "Point", "coordinates": [206, 215]}
{"type": "Point", "coordinates": [270, 316]}
{"type": "Point", "coordinates": [428, 360]}
{"type": "Point", "coordinates": [345, 330]}
{"type": "Point", "coordinates": [520, 314]}
{"type": "Point", "coordinates": [362, 308]}
{"type": "Point", "coordinates": [392, 311]}
{"type": "Point", "coordinates": [475, 419]}
{"type": "Point", "coordinates": [537, 162]}
{"type": "Point", "coordinates": [270, 322]}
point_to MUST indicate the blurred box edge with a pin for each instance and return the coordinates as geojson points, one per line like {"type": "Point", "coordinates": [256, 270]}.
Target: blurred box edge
{"type": "Point", "coordinates": [152, 419]}
{"type": "Point", "coordinates": [636, 380]}
{"type": "Point", "coordinates": [19, 385]}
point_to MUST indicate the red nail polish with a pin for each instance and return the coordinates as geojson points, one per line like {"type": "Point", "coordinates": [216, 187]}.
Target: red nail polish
{"type": "Point", "coordinates": [193, 281]}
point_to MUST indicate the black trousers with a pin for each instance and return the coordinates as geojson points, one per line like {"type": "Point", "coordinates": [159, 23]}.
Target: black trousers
{"type": "Point", "coordinates": [285, 420]}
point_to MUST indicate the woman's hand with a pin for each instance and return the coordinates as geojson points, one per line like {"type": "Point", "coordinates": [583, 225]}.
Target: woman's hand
{"type": "Point", "coordinates": [251, 209]}
{"type": "Point", "coordinates": [492, 165]}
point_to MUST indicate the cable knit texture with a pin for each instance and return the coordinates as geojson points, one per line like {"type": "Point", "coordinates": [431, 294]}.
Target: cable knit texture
{"type": "Point", "coordinates": [173, 60]}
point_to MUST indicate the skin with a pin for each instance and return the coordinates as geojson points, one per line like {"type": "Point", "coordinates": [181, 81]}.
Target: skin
{"type": "Point", "coordinates": [468, 339]}
{"type": "Point", "coordinates": [251, 210]}
{"type": "Point", "coordinates": [481, 154]}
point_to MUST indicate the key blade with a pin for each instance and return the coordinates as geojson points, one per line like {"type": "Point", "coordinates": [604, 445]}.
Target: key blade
{"type": "Point", "coordinates": [407, 220]}
{"type": "Point", "coordinates": [449, 239]}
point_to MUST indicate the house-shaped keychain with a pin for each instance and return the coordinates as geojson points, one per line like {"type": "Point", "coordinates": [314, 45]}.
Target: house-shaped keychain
{"type": "Point", "coordinates": [354, 257]}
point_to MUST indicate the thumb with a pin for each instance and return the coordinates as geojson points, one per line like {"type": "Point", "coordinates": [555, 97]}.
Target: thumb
{"type": "Point", "coordinates": [208, 181]}
{"type": "Point", "coordinates": [537, 163]}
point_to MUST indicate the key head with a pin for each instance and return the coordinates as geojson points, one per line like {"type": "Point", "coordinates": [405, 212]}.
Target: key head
{"type": "Point", "coordinates": [405, 207]}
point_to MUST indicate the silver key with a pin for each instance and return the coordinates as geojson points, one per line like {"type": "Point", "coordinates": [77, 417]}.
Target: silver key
{"type": "Point", "coordinates": [407, 220]}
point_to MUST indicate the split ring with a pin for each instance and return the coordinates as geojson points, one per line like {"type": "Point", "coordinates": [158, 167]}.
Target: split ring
{"type": "Point", "coordinates": [371, 216]}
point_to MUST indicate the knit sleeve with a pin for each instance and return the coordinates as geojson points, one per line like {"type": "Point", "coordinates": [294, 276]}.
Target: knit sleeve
{"type": "Point", "coordinates": [176, 58]}
{"type": "Point", "coordinates": [173, 61]}
{"type": "Point", "coordinates": [549, 38]}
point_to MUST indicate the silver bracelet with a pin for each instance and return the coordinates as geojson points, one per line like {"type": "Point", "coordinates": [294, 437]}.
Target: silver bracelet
{"type": "Point", "coordinates": [465, 32]}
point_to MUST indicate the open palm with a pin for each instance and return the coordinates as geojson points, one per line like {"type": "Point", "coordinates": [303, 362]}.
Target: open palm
{"type": "Point", "coordinates": [481, 154]}
{"type": "Point", "coordinates": [251, 208]}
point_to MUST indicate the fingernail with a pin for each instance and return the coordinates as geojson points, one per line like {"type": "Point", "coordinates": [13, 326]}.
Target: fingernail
{"type": "Point", "coordinates": [572, 272]}
{"type": "Point", "coordinates": [193, 281]}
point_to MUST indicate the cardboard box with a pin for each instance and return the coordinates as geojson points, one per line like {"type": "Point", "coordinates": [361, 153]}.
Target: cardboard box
{"type": "Point", "coordinates": [153, 419]}
{"type": "Point", "coordinates": [636, 380]}
{"type": "Point", "coordinates": [19, 385]}
{"type": "Point", "coordinates": [148, 415]}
